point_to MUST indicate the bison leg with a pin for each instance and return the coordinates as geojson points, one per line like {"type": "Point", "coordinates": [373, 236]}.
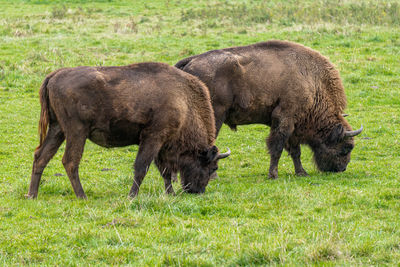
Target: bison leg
{"type": "Point", "coordinates": [168, 185]}
{"type": "Point", "coordinates": [148, 150]}
{"type": "Point", "coordinates": [281, 129]}
{"type": "Point", "coordinates": [43, 154]}
{"type": "Point", "coordinates": [275, 147]}
{"type": "Point", "coordinates": [166, 173]}
{"type": "Point", "coordinates": [71, 159]}
{"type": "Point", "coordinates": [220, 116]}
{"type": "Point", "coordinates": [295, 152]}
{"type": "Point", "coordinates": [174, 176]}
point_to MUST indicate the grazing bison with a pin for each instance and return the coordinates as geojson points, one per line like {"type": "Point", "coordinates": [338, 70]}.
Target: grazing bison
{"type": "Point", "coordinates": [165, 110]}
{"type": "Point", "coordinates": [293, 89]}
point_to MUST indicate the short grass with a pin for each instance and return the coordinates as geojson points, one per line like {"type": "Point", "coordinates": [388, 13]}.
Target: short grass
{"type": "Point", "coordinates": [243, 219]}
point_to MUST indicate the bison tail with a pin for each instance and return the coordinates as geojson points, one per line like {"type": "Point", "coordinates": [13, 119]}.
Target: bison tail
{"type": "Point", "coordinates": [44, 120]}
{"type": "Point", "coordinates": [182, 63]}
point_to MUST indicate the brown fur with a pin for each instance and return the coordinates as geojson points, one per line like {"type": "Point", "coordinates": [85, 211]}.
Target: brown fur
{"type": "Point", "coordinates": [167, 112]}
{"type": "Point", "coordinates": [285, 85]}
{"type": "Point", "coordinates": [44, 115]}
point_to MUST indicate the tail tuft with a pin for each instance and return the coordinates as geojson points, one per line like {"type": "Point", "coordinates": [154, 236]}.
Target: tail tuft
{"type": "Point", "coordinates": [44, 120]}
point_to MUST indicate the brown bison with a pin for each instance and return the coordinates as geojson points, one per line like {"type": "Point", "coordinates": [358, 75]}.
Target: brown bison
{"type": "Point", "coordinates": [166, 111]}
{"type": "Point", "coordinates": [293, 89]}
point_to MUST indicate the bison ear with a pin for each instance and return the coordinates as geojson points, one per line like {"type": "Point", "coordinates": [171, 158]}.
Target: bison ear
{"type": "Point", "coordinates": [209, 155]}
{"type": "Point", "coordinates": [337, 134]}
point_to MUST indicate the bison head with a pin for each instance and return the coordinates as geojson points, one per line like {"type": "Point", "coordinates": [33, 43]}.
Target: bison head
{"type": "Point", "coordinates": [332, 153]}
{"type": "Point", "coordinates": [197, 171]}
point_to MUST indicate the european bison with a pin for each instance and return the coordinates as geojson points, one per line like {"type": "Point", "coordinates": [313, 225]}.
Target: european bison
{"type": "Point", "coordinates": [293, 89]}
{"type": "Point", "coordinates": [166, 111]}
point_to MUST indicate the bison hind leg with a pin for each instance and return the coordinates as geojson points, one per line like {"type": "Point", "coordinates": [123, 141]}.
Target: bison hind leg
{"type": "Point", "coordinates": [53, 140]}
{"type": "Point", "coordinates": [72, 157]}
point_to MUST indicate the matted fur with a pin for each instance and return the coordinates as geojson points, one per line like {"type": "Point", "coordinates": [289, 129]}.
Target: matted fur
{"type": "Point", "coordinates": [167, 112]}
{"type": "Point", "coordinates": [285, 85]}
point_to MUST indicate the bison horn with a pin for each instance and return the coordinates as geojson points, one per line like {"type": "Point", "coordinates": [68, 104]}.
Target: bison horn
{"type": "Point", "coordinates": [345, 115]}
{"type": "Point", "coordinates": [224, 155]}
{"type": "Point", "coordinates": [353, 133]}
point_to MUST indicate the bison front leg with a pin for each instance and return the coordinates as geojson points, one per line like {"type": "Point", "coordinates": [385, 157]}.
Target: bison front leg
{"type": "Point", "coordinates": [166, 173]}
{"type": "Point", "coordinates": [275, 146]}
{"type": "Point", "coordinates": [281, 129]}
{"type": "Point", "coordinates": [220, 117]}
{"type": "Point", "coordinates": [295, 153]}
{"type": "Point", "coordinates": [43, 154]}
{"type": "Point", "coordinates": [167, 183]}
{"type": "Point", "coordinates": [148, 150]}
{"type": "Point", "coordinates": [174, 176]}
{"type": "Point", "coordinates": [71, 159]}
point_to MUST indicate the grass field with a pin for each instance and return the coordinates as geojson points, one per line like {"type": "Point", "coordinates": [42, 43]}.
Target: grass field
{"type": "Point", "coordinates": [243, 219]}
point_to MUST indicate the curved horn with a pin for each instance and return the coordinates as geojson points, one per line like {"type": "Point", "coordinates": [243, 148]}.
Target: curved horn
{"type": "Point", "coordinates": [224, 155]}
{"type": "Point", "coordinates": [353, 133]}
{"type": "Point", "coordinates": [345, 115]}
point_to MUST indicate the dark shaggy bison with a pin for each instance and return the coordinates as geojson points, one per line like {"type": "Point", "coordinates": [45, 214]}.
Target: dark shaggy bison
{"type": "Point", "coordinates": [165, 110]}
{"type": "Point", "coordinates": [293, 89]}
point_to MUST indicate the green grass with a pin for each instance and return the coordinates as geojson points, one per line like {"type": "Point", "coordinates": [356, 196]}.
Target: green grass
{"type": "Point", "coordinates": [243, 219]}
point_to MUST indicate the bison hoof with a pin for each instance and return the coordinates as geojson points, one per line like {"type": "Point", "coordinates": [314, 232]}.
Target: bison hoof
{"type": "Point", "coordinates": [302, 173]}
{"type": "Point", "coordinates": [30, 196]}
{"type": "Point", "coordinates": [272, 176]}
{"type": "Point", "coordinates": [133, 194]}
